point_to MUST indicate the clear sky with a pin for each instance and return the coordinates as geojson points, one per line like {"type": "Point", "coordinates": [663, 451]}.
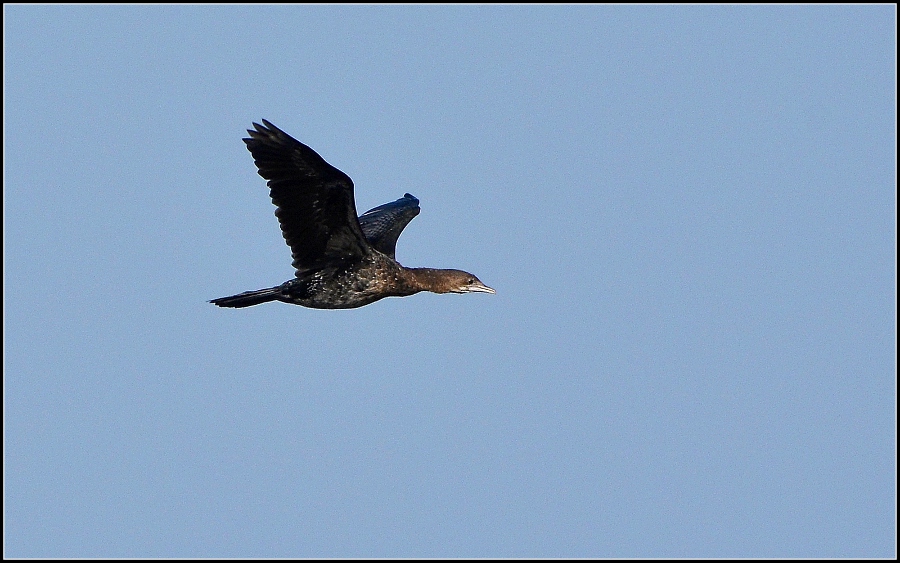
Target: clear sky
{"type": "Point", "coordinates": [689, 215]}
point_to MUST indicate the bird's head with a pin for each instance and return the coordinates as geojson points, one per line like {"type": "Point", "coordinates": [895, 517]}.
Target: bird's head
{"type": "Point", "coordinates": [458, 281]}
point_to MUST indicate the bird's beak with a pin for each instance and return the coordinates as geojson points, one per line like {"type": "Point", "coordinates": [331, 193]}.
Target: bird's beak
{"type": "Point", "coordinates": [479, 288]}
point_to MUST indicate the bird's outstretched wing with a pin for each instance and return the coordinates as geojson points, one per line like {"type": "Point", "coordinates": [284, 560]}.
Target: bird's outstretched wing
{"type": "Point", "coordinates": [314, 200]}
{"type": "Point", "coordinates": [382, 225]}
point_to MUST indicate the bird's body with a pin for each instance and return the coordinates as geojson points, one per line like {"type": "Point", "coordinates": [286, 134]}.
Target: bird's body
{"type": "Point", "coordinates": [341, 260]}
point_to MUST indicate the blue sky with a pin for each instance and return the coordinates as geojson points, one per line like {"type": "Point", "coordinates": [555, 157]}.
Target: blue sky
{"type": "Point", "coordinates": [689, 215]}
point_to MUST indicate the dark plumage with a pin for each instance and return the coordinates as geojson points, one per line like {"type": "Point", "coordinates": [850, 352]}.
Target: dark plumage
{"type": "Point", "coordinates": [341, 261]}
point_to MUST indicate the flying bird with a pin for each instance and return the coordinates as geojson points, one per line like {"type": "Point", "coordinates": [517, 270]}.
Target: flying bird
{"type": "Point", "coordinates": [341, 260]}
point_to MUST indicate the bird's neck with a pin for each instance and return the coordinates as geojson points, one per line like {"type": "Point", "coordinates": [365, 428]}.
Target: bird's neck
{"type": "Point", "coordinates": [429, 279]}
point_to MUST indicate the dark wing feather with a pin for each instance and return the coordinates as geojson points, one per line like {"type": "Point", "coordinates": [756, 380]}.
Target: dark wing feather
{"type": "Point", "coordinates": [382, 225]}
{"type": "Point", "coordinates": [314, 200]}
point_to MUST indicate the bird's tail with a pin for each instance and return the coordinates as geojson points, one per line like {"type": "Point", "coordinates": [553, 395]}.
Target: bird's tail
{"type": "Point", "coordinates": [248, 298]}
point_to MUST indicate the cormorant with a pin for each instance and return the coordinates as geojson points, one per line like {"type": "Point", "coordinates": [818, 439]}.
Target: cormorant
{"type": "Point", "coordinates": [341, 260]}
